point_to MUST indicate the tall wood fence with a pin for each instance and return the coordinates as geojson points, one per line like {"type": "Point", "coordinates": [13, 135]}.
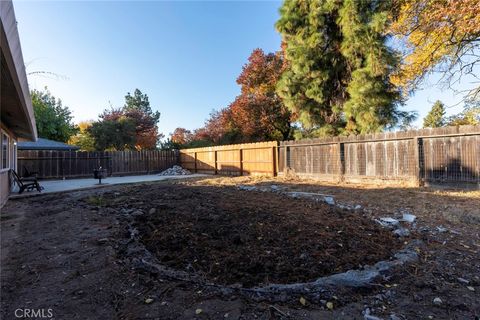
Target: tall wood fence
{"type": "Point", "coordinates": [427, 156]}
{"type": "Point", "coordinates": [77, 164]}
{"type": "Point", "coordinates": [237, 159]}
{"type": "Point", "coordinates": [441, 155]}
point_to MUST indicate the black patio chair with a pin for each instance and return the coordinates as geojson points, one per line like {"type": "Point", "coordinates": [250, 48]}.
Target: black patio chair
{"type": "Point", "coordinates": [28, 173]}
{"type": "Point", "coordinates": [27, 183]}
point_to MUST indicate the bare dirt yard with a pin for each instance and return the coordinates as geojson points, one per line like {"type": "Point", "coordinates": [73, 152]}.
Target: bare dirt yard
{"type": "Point", "coordinates": [241, 248]}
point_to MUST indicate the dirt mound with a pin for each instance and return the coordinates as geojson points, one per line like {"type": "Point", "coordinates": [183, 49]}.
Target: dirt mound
{"type": "Point", "coordinates": [248, 238]}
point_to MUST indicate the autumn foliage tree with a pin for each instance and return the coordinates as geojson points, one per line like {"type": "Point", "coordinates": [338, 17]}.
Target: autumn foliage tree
{"type": "Point", "coordinates": [83, 138]}
{"type": "Point", "coordinates": [134, 126]}
{"type": "Point", "coordinates": [258, 113]}
{"type": "Point", "coordinates": [439, 36]}
{"type": "Point", "coordinates": [137, 107]}
{"type": "Point", "coordinates": [181, 136]}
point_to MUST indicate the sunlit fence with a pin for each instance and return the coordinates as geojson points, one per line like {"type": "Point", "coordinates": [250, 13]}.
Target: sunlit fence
{"type": "Point", "coordinates": [238, 159]}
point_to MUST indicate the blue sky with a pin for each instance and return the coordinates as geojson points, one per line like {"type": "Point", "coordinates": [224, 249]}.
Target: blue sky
{"type": "Point", "coordinates": [185, 55]}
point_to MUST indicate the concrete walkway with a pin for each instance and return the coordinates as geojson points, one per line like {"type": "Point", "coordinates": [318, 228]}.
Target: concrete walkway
{"type": "Point", "coordinates": [76, 184]}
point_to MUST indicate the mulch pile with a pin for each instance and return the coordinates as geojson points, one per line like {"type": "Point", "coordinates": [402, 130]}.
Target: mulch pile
{"type": "Point", "coordinates": [243, 238]}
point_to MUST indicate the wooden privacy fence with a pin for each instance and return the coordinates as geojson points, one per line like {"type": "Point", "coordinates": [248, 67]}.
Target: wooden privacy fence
{"type": "Point", "coordinates": [76, 164]}
{"type": "Point", "coordinates": [441, 155]}
{"type": "Point", "coordinates": [237, 159]}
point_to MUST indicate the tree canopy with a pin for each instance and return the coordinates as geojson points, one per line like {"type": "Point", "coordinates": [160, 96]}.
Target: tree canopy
{"type": "Point", "coordinates": [83, 138]}
{"type": "Point", "coordinates": [133, 126]}
{"type": "Point", "coordinates": [436, 117]}
{"type": "Point", "coordinates": [338, 70]}
{"type": "Point", "coordinates": [257, 114]}
{"type": "Point", "coordinates": [438, 35]}
{"type": "Point", "coordinates": [114, 132]}
{"type": "Point", "coordinates": [54, 121]}
{"type": "Point", "coordinates": [469, 116]}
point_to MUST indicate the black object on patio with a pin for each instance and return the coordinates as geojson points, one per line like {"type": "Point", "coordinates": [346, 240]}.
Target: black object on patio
{"type": "Point", "coordinates": [100, 174]}
{"type": "Point", "coordinates": [28, 183]}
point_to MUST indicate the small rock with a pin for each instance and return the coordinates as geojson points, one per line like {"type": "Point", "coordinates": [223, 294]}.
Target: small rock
{"type": "Point", "coordinates": [303, 301]}
{"type": "Point", "coordinates": [275, 187]}
{"type": "Point", "coordinates": [463, 280]}
{"type": "Point", "coordinates": [471, 288]}
{"type": "Point", "coordinates": [102, 241]}
{"type": "Point", "coordinates": [330, 305]}
{"type": "Point", "coordinates": [247, 188]}
{"type": "Point", "coordinates": [148, 300]}
{"type": "Point", "coordinates": [329, 200]}
{"type": "Point", "coordinates": [358, 207]}
{"type": "Point", "coordinates": [408, 217]}
{"type": "Point", "coordinates": [137, 212]}
{"type": "Point", "coordinates": [198, 311]}
{"type": "Point", "coordinates": [387, 221]}
{"type": "Point", "coordinates": [152, 211]}
{"type": "Point", "coordinates": [437, 301]}
{"type": "Point", "coordinates": [402, 232]}
{"type": "Point", "coordinates": [441, 229]}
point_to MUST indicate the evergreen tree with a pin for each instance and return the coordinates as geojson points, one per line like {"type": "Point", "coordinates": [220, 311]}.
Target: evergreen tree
{"type": "Point", "coordinates": [54, 121]}
{"type": "Point", "coordinates": [338, 70]}
{"type": "Point", "coordinates": [436, 117]}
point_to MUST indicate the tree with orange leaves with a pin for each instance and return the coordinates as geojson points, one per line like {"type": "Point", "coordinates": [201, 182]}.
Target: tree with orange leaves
{"type": "Point", "coordinates": [440, 35]}
{"type": "Point", "coordinates": [258, 113]}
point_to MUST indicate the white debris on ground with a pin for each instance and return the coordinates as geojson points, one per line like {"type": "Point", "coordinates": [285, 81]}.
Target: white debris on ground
{"type": "Point", "coordinates": [175, 171]}
{"type": "Point", "coordinates": [408, 217]}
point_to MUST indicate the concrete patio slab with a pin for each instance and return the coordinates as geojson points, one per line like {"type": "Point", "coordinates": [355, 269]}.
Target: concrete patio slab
{"type": "Point", "coordinates": [51, 186]}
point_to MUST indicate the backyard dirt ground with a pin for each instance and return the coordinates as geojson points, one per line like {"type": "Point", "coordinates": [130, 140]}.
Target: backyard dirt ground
{"type": "Point", "coordinates": [84, 254]}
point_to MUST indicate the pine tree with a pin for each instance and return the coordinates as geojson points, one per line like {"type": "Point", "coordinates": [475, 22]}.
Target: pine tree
{"type": "Point", "coordinates": [338, 65]}
{"type": "Point", "coordinates": [436, 117]}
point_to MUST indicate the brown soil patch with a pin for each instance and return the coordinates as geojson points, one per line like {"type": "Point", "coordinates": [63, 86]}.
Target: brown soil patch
{"type": "Point", "coordinates": [229, 236]}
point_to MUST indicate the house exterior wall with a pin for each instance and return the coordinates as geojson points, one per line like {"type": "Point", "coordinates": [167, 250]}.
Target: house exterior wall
{"type": "Point", "coordinates": [8, 160]}
{"type": "Point", "coordinates": [17, 118]}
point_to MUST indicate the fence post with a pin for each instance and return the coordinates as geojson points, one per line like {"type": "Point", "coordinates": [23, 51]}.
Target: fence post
{"type": "Point", "coordinates": [195, 162]}
{"type": "Point", "coordinates": [215, 158]}
{"type": "Point", "coordinates": [274, 162]}
{"type": "Point", "coordinates": [62, 165]}
{"type": "Point", "coordinates": [286, 164]}
{"type": "Point", "coordinates": [241, 161]}
{"type": "Point", "coordinates": [341, 160]}
{"type": "Point", "coordinates": [418, 156]}
{"type": "Point", "coordinates": [277, 165]}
